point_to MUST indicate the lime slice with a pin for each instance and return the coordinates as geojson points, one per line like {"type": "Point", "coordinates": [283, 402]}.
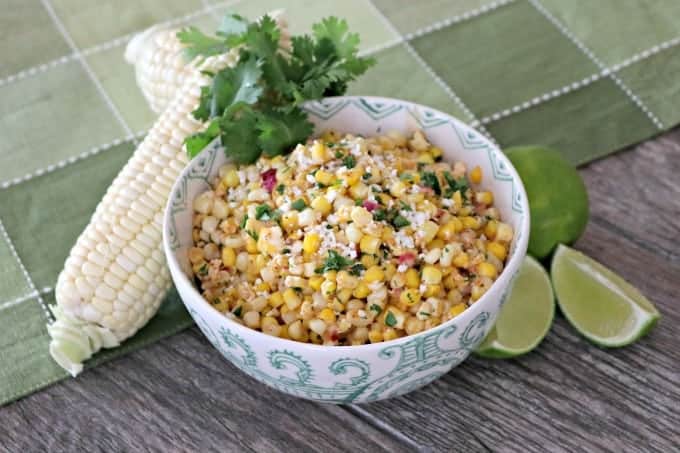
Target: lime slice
{"type": "Point", "coordinates": [526, 316]}
{"type": "Point", "coordinates": [558, 200]}
{"type": "Point", "coordinates": [602, 306]}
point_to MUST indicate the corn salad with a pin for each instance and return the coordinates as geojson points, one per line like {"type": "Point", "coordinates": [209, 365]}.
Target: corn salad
{"type": "Point", "coordinates": [347, 240]}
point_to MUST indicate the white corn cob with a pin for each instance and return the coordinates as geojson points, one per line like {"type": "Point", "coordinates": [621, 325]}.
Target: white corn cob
{"type": "Point", "coordinates": [160, 67]}
{"type": "Point", "coordinates": [115, 276]}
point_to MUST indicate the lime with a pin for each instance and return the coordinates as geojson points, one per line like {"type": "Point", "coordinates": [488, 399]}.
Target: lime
{"type": "Point", "coordinates": [601, 305]}
{"type": "Point", "coordinates": [526, 316]}
{"type": "Point", "coordinates": [558, 200]}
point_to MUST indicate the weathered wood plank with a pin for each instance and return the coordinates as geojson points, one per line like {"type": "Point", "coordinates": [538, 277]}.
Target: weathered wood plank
{"type": "Point", "coordinates": [567, 395]}
{"type": "Point", "coordinates": [180, 395]}
{"type": "Point", "coordinates": [637, 193]}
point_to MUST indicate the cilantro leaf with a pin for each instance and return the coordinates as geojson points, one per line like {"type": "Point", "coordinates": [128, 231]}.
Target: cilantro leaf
{"type": "Point", "coordinates": [279, 132]}
{"type": "Point", "coordinates": [334, 262]}
{"type": "Point", "coordinates": [430, 180]}
{"type": "Point", "coordinates": [336, 31]}
{"type": "Point", "coordinates": [299, 204]}
{"type": "Point", "coordinates": [390, 319]}
{"type": "Point", "coordinates": [349, 161]}
{"type": "Point", "coordinates": [198, 43]}
{"type": "Point", "coordinates": [239, 135]}
{"type": "Point", "coordinates": [196, 142]}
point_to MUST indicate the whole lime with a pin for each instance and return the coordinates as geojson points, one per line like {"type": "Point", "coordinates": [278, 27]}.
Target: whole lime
{"type": "Point", "coordinates": [558, 199]}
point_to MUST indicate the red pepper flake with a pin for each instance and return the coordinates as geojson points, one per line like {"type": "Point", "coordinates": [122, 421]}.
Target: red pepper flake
{"type": "Point", "coordinates": [269, 179]}
{"type": "Point", "coordinates": [370, 205]}
{"type": "Point", "coordinates": [407, 258]}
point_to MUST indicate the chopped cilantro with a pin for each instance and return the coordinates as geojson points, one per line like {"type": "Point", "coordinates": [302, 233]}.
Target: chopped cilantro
{"type": "Point", "coordinates": [405, 206]}
{"type": "Point", "coordinates": [329, 226]}
{"type": "Point", "coordinates": [338, 154]}
{"type": "Point", "coordinates": [400, 222]}
{"type": "Point", "coordinates": [334, 262]}
{"type": "Point", "coordinates": [430, 180]}
{"type": "Point", "coordinates": [375, 308]}
{"type": "Point", "coordinates": [349, 161]}
{"type": "Point", "coordinates": [280, 188]}
{"type": "Point", "coordinates": [299, 204]}
{"type": "Point", "coordinates": [238, 310]}
{"type": "Point", "coordinates": [460, 184]}
{"type": "Point", "coordinates": [265, 212]}
{"type": "Point", "coordinates": [285, 251]}
{"type": "Point", "coordinates": [390, 319]}
{"type": "Point", "coordinates": [366, 176]}
{"type": "Point", "coordinates": [358, 202]}
{"type": "Point", "coordinates": [424, 313]}
{"type": "Point", "coordinates": [242, 225]}
{"type": "Point", "coordinates": [357, 269]}
{"type": "Point", "coordinates": [297, 289]}
{"type": "Point", "coordinates": [380, 214]}
{"type": "Point", "coordinates": [203, 270]}
{"type": "Point", "coordinates": [253, 234]}
{"type": "Point", "coordinates": [406, 177]}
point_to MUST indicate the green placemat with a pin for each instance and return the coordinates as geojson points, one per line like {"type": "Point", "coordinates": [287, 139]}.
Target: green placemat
{"type": "Point", "coordinates": [587, 77]}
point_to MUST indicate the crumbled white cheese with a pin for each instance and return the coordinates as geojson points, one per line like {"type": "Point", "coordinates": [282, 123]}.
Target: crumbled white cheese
{"type": "Point", "coordinates": [402, 268]}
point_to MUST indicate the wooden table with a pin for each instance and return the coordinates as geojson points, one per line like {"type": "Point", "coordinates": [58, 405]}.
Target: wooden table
{"type": "Point", "coordinates": [181, 395]}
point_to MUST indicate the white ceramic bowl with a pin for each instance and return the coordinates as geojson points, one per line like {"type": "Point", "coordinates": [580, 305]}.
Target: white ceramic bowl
{"type": "Point", "coordinates": [343, 374]}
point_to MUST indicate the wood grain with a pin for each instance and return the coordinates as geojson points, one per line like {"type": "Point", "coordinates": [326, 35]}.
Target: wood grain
{"type": "Point", "coordinates": [567, 395]}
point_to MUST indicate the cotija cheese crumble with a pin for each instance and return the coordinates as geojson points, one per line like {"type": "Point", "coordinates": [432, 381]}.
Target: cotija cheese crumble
{"type": "Point", "coordinates": [347, 240]}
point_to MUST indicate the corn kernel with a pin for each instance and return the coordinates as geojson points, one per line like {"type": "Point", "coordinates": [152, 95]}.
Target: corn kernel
{"type": "Point", "coordinates": [477, 292]}
{"type": "Point", "coordinates": [353, 176]}
{"type": "Point", "coordinates": [291, 298]}
{"type": "Point", "coordinates": [476, 175]}
{"type": "Point", "coordinates": [322, 205]}
{"type": "Point", "coordinates": [231, 178]}
{"type": "Point", "coordinates": [390, 270]}
{"type": "Point", "coordinates": [461, 260]}
{"type": "Point", "coordinates": [449, 229]}
{"type": "Point", "coordinates": [251, 245]}
{"type": "Point", "coordinates": [324, 177]}
{"type": "Point", "coordinates": [358, 190]}
{"type": "Point", "coordinates": [289, 220]}
{"type": "Point", "coordinates": [315, 282]}
{"type": "Point", "coordinates": [368, 261]}
{"type": "Point", "coordinates": [375, 336]}
{"type": "Point", "coordinates": [311, 243]}
{"type": "Point", "coordinates": [431, 275]}
{"type": "Point", "coordinates": [228, 257]}
{"type": "Point", "coordinates": [374, 274]}
{"type": "Point", "coordinates": [296, 331]}
{"type": "Point", "coordinates": [487, 269]}
{"type": "Point", "coordinates": [457, 199]}
{"type": "Point", "coordinates": [344, 294]}
{"type": "Point", "coordinates": [436, 152]}
{"type": "Point", "coordinates": [496, 249]}
{"type": "Point", "coordinates": [360, 216]}
{"type": "Point", "coordinates": [412, 278]}
{"type": "Point", "coordinates": [270, 326]}
{"type": "Point", "coordinates": [330, 275]}
{"type": "Point", "coordinates": [425, 158]}
{"type": "Point", "coordinates": [484, 198]}
{"type": "Point", "coordinates": [319, 153]}
{"type": "Point", "coordinates": [327, 315]}
{"type": "Point", "coordinates": [390, 334]}
{"type": "Point", "coordinates": [353, 233]}
{"type": "Point", "coordinates": [361, 291]}
{"type": "Point", "coordinates": [504, 233]}
{"type": "Point", "coordinates": [491, 229]}
{"type": "Point", "coordinates": [409, 297]}
{"type": "Point", "coordinates": [276, 299]}
{"type": "Point", "coordinates": [397, 189]}
{"type": "Point", "coordinates": [328, 289]}
{"type": "Point", "coordinates": [432, 290]}
{"type": "Point", "coordinates": [470, 222]}
{"type": "Point", "coordinates": [413, 326]}
{"type": "Point", "coordinates": [369, 244]}
{"type": "Point", "coordinates": [436, 244]}
{"type": "Point", "coordinates": [345, 280]}
{"type": "Point", "coordinates": [429, 229]}
{"type": "Point", "coordinates": [456, 309]}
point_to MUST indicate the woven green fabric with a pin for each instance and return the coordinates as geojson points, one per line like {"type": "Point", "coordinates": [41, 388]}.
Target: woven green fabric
{"type": "Point", "coordinates": [587, 77]}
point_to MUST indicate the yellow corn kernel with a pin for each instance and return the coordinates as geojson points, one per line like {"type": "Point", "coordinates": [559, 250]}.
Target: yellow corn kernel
{"type": "Point", "coordinates": [251, 245]}
{"type": "Point", "coordinates": [324, 177]}
{"type": "Point", "coordinates": [397, 189]}
{"type": "Point", "coordinates": [394, 317]}
{"type": "Point", "coordinates": [291, 298]}
{"type": "Point", "coordinates": [476, 175]}
{"type": "Point", "coordinates": [412, 278]}
{"type": "Point", "coordinates": [283, 333]}
{"type": "Point", "coordinates": [477, 292]}
{"type": "Point", "coordinates": [409, 297]}
{"type": "Point", "coordinates": [296, 331]}
{"type": "Point", "coordinates": [328, 288]}
{"type": "Point", "coordinates": [432, 290]}
{"type": "Point", "coordinates": [327, 315]}
{"type": "Point", "coordinates": [344, 294]}
{"type": "Point", "coordinates": [375, 336]}
{"type": "Point", "coordinates": [276, 299]}
{"type": "Point", "coordinates": [228, 257]}
{"type": "Point", "coordinates": [311, 243]}
{"type": "Point", "coordinates": [470, 222]}
{"type": "Point", "coordinates": [315, 282]}
{"type": "Point", "coordinates": [484, 197]}
{"type": "Point", "coordinates": [436, 152]}
{"type": "Point", "coordinates": [368, 261]}
{"type": "Point", "coordinates": [457, 199]}
{"type": "Point", "coordinates": [431, 275]}
{"type": "Point", "coordinates": [330, 136]}
{"type": "Point", "coordinates": [436, 244]}
{"type": "Point", "coordinates": [353, 176]}
{"type": "Point", "coordinates": [491, 229]}
{"type": "Point", "coordinates": [270, 326]}
{"type": "Point", "coordinates": [487, 269]}
{"type": "Point", "coordinates": [231, 178]}
{"type": "Point", "coordinates": [262, 287]}
{"type": "Point", "coordinates": [358, 191]}
{"type": "Point", "coordinates": [457, 309]}
{"type": "Point", "coordinates": [369, 244]}
{"type": "Point", "coordinates": [390, 334]}
{"type": "Point", "coordinates": [429, 229]}
{"type": "Point", "coordinates": [504, 233]}
{"type": "Point", "coordinates": [384, 199]}
{"type": "Point", "coordinates": [322, 205]}
{"type": "Point", "coordinates": [260, 262]}
{"type": "Point", "coordinates": [449, 229]}
{"type": "Point", "coordinates": [496, 249]}
{"type": "Point", "coordinates": [425, 158]}
{"type": "Point", "coordinates": [221, 304]}
{"type": "Point", "coordinates": [374, 274]}
{"type": "Point", "coordinates": [450, 282]}
{"type": "Point", "coordinates": [289, 220]}
{"type": "Point", "coordinates": [390, 270]}
{"type": "Point", "coordinates": [461, 260]}
{"type": "Point", "coordinates": [319, 153]}
{"type": "Point", "coordinates": [330, 275]}
{"type": "Point", "coordinates": [361, 291]}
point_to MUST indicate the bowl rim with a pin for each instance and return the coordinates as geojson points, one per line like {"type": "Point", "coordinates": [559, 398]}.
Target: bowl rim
{"type": "Point", "coordinates": [513, 263]}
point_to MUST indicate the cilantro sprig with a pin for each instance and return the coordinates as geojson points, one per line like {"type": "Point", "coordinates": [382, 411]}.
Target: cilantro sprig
{"type": "Point", "coordinates": [255, 107]}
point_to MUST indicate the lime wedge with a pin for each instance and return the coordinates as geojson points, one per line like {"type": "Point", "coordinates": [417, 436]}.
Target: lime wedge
{"type": "Point", "coordinates": [526, 316]}
{"type": "Point", "coordinates": [602, 306]}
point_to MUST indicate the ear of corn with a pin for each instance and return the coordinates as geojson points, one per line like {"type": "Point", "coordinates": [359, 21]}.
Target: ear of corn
{"type": "Point", "coordinates": [115, 276]}
{"type": "Point", "coordinates": [160, 66]}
